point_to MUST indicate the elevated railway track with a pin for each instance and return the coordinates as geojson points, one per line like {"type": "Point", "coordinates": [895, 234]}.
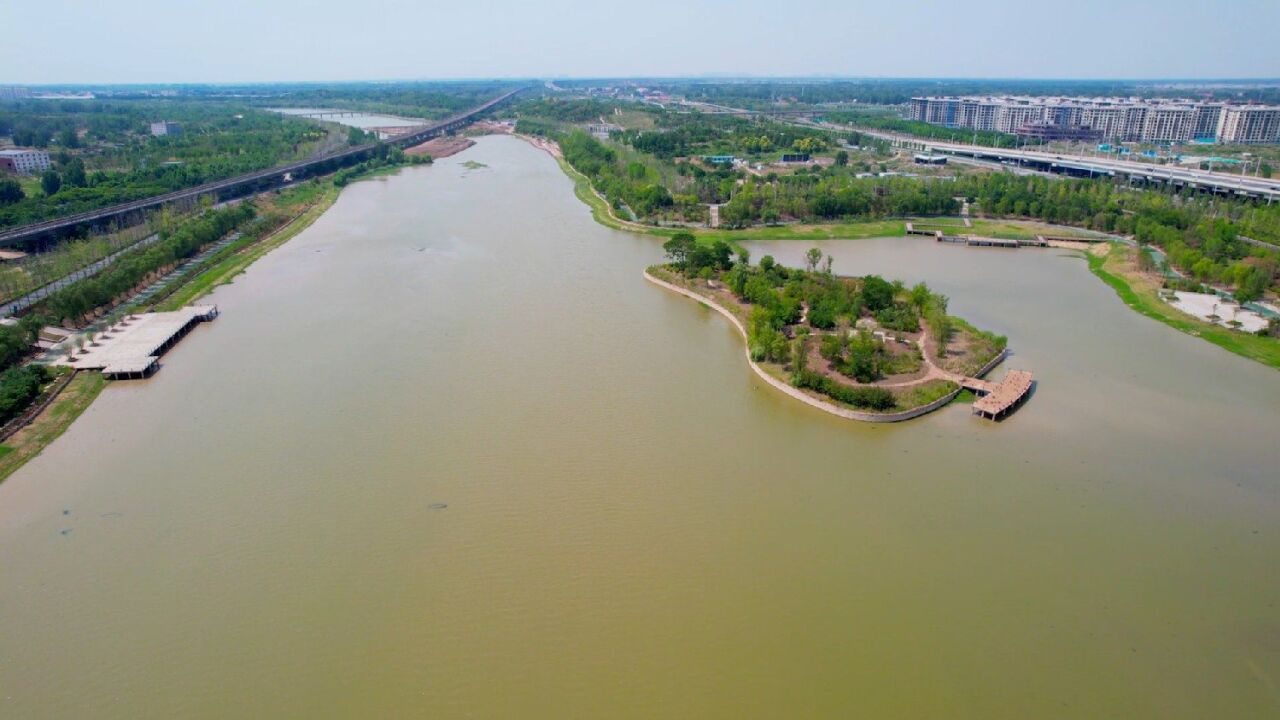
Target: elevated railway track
{"type": "Point", "coordinates": [243, 184]}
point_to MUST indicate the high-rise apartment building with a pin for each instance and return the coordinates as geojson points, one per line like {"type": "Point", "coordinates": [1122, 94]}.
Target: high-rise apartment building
{"type": "Point", "coordinates": [1123, 119]}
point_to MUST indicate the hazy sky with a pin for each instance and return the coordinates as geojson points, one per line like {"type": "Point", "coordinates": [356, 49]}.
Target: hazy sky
{"type": "Point", "coordinates": [100, 41]}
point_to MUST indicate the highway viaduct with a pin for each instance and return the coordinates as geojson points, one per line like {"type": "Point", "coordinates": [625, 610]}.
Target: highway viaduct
{"type": "Point", "coordinates": [253, 182]}
{"type": "Point", "coordinates": [1242, 186]}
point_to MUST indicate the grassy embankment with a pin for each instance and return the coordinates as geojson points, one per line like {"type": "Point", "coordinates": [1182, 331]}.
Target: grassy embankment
{"type": "Point", "coordinates": [85, 387]}
{"type": "Point", "coordinates": [306, 203]}
{"type": "Point", "coordinates": [1139, 291]}
{"type": "Point", "coordinates": [223, 268]}
{"type": "Point", "coordinates": [32, 439]}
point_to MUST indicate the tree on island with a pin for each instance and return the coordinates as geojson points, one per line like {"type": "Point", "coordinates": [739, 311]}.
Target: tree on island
{"type": "Point", "coordinates": [679, 248]}
{"type": "Point", "coordinates": [812, 258]}
{"type": "Point", "coordinates": [692, 258]}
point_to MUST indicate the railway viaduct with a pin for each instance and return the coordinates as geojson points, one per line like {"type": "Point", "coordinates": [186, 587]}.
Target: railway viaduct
{"type": "Point", "coordinates": [243, 184]}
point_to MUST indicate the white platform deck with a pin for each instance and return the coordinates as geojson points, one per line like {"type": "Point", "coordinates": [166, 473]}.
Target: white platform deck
{"type": "Point", "coordinates": [131, 347]}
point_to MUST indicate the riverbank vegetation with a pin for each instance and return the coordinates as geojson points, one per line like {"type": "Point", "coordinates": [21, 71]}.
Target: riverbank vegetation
{"type": "Point", "coordinates": [1118, 266]}
{"type": "Point", "coordinates": [263, 224]}
{"type": "Point", "coordinates": [73, 304]}
{"type": "Point", "coordinates": [104, 153]}
{"type": "Point", "coordinates": [888, 120]}
{"type": "Point", "coordinates": [865, 343]}
{"type": "Point", "coordinates": [670, 169]}
{"type": "Point", "coordinates": [291, 211]}
{"type": "Point", "coordinates": [30, 440]}
{"type": "Point", "coordinates": [20, 384]}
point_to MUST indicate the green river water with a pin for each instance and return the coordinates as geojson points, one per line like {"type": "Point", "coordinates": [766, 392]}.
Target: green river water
{"type": "Point", "coordinates": [633, 524]}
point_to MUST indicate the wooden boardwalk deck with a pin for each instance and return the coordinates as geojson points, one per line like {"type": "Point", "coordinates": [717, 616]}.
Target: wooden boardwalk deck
{"type": "Point", "coordinates": [1004, 396]}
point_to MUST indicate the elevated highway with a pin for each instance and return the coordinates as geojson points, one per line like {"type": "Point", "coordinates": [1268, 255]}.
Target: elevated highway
{"type": "Point", "coordinates": [247, 183]}
{"type": "Point", "coordinates": [1086, 166]}
{"type": "Point", "coordinates": [1078, 165]}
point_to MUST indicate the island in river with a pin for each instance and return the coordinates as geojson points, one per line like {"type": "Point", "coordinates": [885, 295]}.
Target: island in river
{"type": "Point", "coordinates": [862, 348]}
{"type": "Point", "coordinates": [637, 525]}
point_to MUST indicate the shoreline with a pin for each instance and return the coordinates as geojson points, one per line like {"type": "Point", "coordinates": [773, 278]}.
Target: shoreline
{"type": "Point", "coordinates": [1251, 347]}
{"type": "Point", "coordinates": [1131, 292]}
{"type": "Point", "coordinates": [806, 398]}
{"type": "Point", "coordinates": [59, 411]}
{"type": "Point", "coordinates": [441, 147]}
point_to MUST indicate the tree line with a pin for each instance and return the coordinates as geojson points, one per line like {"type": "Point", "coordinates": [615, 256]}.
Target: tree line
{"type": "Point", "coordinates": [77, 300]}
{"type": "Point", "coordinates": [1200, 234]}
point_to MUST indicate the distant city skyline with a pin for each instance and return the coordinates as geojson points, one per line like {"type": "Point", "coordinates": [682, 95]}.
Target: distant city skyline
{"type": "Point", "coordinates": [147, 41]}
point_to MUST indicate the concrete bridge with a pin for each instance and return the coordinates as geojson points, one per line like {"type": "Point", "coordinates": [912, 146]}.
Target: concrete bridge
{"type": "Point", "coordinates": [247, 183]}
{"type": "Point", "coordinates": [326, 114]}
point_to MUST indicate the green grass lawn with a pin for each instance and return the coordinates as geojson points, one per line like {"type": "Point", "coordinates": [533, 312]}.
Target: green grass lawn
{"type": "Point", "coordinates": [1262, 349]}
{"type": "Point", "coordinates": [834, 231]}
{"type": "Point", "coordinates": [237, 257]}
{"type": "Point", "coordinates": [34, 438]}
{"type": "Point", "coordinates": [1023, 230]}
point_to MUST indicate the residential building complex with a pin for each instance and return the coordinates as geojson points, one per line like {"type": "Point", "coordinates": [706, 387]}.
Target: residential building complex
{"type": "Point", "coordinates": [24, 161]}
{"type": "Point", "coordinates": [1248, 124]}
{"type": "Point", "coordinates": [14, 92]}
{"type": "Point", "coordinates": [1124, 119]}
{"type": "Point", "coordinates": [164, 127]}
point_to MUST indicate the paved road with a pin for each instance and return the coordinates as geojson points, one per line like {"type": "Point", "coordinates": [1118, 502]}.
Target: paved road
{"type": "Point", "coordinates": [1264, 188]}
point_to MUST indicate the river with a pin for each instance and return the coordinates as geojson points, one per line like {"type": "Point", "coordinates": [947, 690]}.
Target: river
{"type": "Point", "coordinates": [447, 454]}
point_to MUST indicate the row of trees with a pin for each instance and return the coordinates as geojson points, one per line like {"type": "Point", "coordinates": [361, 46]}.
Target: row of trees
{"type": "Point", "coordinates": [894, 124]}
{"type": "Point", "coordinates": [117, 160]}
{"type": "Point", "coordinates": [833, 194]}
{"type": "Point", "coordinates": [75, 301]}
{"type": "Point", "coordinates": [19, 386]}
{"type": "Point", "coordinates": [1201, 235]}
{"type": "Point", "coordinates": [384, 157]}
{"type": "Point", "coordinates": [624, 183]}
{"type": "Point", "coordinates": [1204, 237]}
{"type": "Point", "coordinates": [692, 134]}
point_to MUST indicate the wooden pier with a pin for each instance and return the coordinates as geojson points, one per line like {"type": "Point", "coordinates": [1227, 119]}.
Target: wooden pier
{"type": "Point", "coordinates": [999, 399]}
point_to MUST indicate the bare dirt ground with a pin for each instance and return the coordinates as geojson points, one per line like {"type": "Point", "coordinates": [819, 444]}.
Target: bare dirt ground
{"type": "Point", "coordinates": [441, 147]}
{"type": "Point", "coordinates": [550, 146]}
{"type": "Point", "coordinates": [487, 127]}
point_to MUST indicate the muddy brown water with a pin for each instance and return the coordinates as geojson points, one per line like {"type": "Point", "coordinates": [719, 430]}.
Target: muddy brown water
{"type": "Point", "coordinates": [447, 454]}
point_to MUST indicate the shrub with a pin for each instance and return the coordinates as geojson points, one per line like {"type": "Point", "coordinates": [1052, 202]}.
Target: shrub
{"type": "Point", "coordinates": [18, 387]}
{"type": "Point", "coordinates": [874, 398]}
